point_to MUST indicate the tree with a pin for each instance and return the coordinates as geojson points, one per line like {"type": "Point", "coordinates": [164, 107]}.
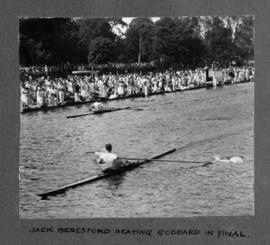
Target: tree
{"type": "Point", "coordinates": [97, 36]}
{"type": "Point", "coordinates": [139, 40]}
{"type": "Point", "coordinates": [101, 51]}
{"type": "Point", "coordinates": [244, 38]}
{"type": "Point", "coordinates": [219, 43]}
{"type": "Point", "coordinates": [48, 41]}
{"type": "Point", "coordinates": [180, 41]}
{"type": "Point", "coordinates": [91, 28]}
{"type": "Point", "coordinates": [176, 41]}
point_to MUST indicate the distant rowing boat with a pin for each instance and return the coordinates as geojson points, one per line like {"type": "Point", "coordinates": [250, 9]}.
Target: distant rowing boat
{"type": "Point", "coordinates": [129, 167]}
{"type": "Point", "coordinates": [105, 110]}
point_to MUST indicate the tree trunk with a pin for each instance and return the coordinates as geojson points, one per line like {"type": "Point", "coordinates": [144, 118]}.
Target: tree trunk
{"type": "Point", "coordinates": [140, 49]}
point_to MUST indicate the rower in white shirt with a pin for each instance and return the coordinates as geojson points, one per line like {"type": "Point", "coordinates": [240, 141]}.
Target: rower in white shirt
{"type": "Point", "coordinates": [108, 160]}
{"type": "Point", "coordinates": [96, 106]}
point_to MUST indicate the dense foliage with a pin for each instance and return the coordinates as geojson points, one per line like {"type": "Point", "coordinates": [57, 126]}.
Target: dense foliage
{"type": "Point", "coordinates": [181, 42]}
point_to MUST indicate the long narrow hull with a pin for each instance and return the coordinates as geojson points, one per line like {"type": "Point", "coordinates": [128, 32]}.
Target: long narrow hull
{"type": "Point", "coordinates": [129, 167]}
{"type": "Point", "coordinates": [109, 110]}
{"type": "Point", "coordinates": [99, 112]}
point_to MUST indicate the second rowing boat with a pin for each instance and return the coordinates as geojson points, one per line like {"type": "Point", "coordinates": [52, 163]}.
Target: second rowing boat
{"type": "Point", "coordinates": [105, 110]}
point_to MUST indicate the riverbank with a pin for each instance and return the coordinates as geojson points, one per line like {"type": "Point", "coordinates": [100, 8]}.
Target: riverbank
{"type": "Point", "coordinates": [75, 103]}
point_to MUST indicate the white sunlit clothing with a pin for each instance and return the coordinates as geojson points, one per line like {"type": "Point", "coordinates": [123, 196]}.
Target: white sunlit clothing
{"type": "Point", "coordinates": [61, 96]}
{"type": "Point", "coordinates": [145, 88]}
{"type": "Point", "coordinates": [54, 99]}
{"type": "Point", "coordinates": [25, 97]}
{"type": "Point", "coordinates": [70, 87]}
{"type": "Point", "coordinates": [120, 89]}
{"type": "Point", "coordinates": [51, 92]}
{"type": "Point", "coordinates": [173, 83]}
{"type": "Point", "coordinates": [76, 97]}
{"type": "Point", "coordinates": [91, 88]}
{"type": "Point", "coordinates": [106, 159]}
{"type": "Point", "coordinates": [40, 97]}
{"type": "Point", "coordinates": [61, 93]}
{"type": "Point", "coordinates": [97, 106]}
{"type": "Point", "coordinates": [50, 96]}
{"type": "Point", "coordinates": [84, 91]}
{"type": "Point", "coordinates": [103, 91]}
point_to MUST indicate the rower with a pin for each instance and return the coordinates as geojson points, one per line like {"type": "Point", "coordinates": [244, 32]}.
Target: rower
{"type": "Point", "coordinates": [96, 106]}
{"type": "Point", "coordinates": [108, 160]}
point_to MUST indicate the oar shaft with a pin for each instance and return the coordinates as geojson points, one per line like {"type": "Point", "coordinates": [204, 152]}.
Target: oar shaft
{"type": "Point", "coordinates": [80, 115]}
{"type": "Point", "coordinates": [159, 160]}
{"type": "Point", "coordinates": [136, 109]}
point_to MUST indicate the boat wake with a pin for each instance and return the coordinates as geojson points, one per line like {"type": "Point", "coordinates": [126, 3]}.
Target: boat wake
{"type": "Point", "coordinates": [214, 137]}
{"type": "Point", "coordinates": [231, 159]}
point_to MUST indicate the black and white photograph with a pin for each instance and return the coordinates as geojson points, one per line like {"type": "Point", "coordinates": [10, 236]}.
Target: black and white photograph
{"type": "Point", "coordinates": [136, 117]}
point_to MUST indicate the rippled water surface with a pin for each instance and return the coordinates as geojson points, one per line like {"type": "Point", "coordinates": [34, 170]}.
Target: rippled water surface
{"type": "Point", "coordinates": [200, 124]}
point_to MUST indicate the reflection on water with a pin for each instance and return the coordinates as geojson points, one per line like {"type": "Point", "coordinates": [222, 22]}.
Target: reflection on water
{"type": "Point", "coordinates": [200, 124]}
{"type": "Point", "coordinates": [113, 182]}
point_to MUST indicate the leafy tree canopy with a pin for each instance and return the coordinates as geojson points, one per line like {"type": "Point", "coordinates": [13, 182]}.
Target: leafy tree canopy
{"type": "Point", "coordinates": [184, 41]}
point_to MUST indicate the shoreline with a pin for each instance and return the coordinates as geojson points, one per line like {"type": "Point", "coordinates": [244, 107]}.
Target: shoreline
{"type": "Point", "coordinates": [141, 95]}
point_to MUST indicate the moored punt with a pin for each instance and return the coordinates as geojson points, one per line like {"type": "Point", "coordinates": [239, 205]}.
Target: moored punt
{"type": "Point", "coordinates": [126, 168]}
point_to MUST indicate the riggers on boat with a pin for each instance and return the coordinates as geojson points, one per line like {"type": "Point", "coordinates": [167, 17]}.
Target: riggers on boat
{"type": "Point", "coordinates": [130, 166]}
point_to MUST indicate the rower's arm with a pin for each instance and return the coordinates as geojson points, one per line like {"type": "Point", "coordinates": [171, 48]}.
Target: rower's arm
{"type": "Point", "coordinates": [96, 153]}
{"type": "Point", "coordinates": [99, 160]}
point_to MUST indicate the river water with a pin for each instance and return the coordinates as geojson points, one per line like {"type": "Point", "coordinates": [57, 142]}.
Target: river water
{"type": "Point", "coordinates": [199, 123]}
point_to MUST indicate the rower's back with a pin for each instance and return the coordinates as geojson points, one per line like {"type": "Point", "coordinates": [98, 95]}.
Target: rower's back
{"type": "Point", "coordinates": [106, 158]}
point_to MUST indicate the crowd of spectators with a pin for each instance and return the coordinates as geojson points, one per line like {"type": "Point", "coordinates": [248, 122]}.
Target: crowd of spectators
{"type": "Point", "coordinates": [47, 91]}
{"type": "Point", "coordinates": [66, 68]}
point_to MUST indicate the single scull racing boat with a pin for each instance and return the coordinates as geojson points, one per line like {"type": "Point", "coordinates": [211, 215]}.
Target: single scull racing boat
{"type": "Point", "coordinates": [104, 110]}
{"type": "Point", "coordinates": [130, 166]}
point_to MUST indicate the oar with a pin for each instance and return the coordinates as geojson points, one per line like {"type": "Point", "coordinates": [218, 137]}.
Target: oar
{"type": "Point", "coordinates": [88, 152]}
{"type": "Point", "coordinates": [129, 108]}
{"type": "Point", "coordinates": [163, 160]}
{"type": "Point", "coordinates": [157, 160]}
{"type": "Point", "coordinates": [80, 115]}
{"type": "Point", "coordinates": [137, 109]}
